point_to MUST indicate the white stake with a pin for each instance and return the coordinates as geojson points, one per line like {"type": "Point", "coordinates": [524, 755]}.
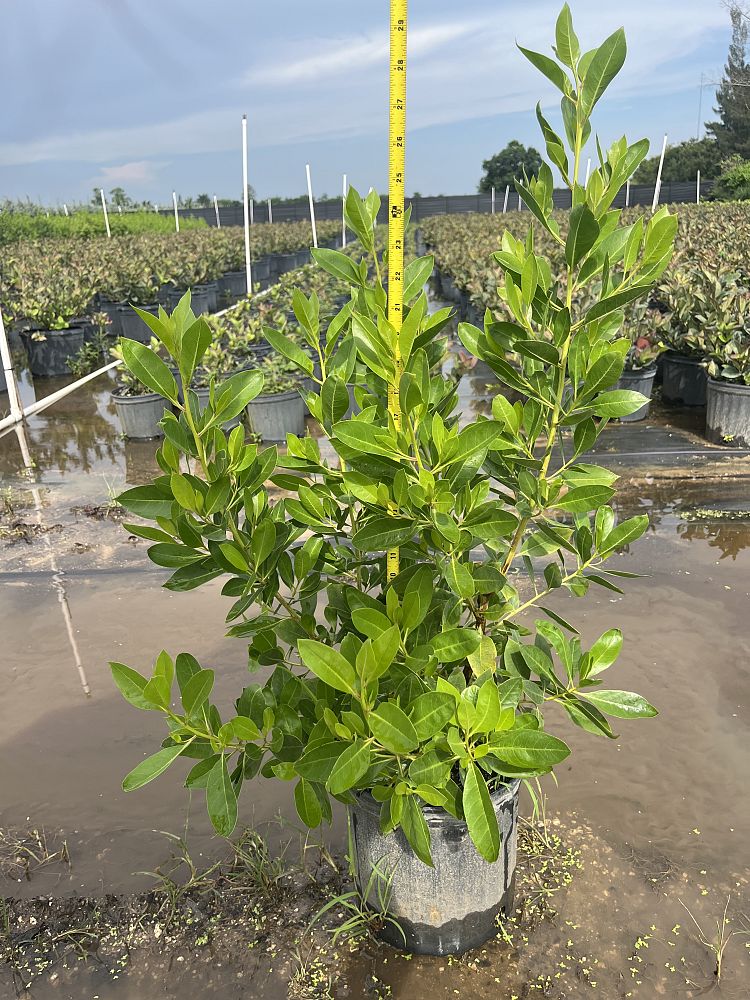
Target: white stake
{"type": "Point", "coordinates": [588, 172]}
{"type": "Point", "coordinates": [176, 213]}
{"type": "Point", "coordinates": [270, 211]}
{"type": "Point", "coordinates": [252, 204]}
{"type": "Point", "coordinates": [657, 186]}
{"type": "Point", "coordinates": [16, 410]}
{"type": "Point", "coordinates": [156, 207]}
{"type": "Point", "coordinates": [344, 192]}
{"type": "Point", "coordinates": [119, 209]}
{"type": "Point", "coordinates": [627, 193]}
{"type": "Point", "coordinates": [246, 208]}
{"type": "Point", "coordinates": [312, 206]}
{"type": "Point", "coordinates": [505, 200]}
{"type": "Point", "coordinates": [519, 202]}
{"type": "Point", "coordinates": [65, 209]}
{"type": "Point", "coordinates": [104, 209]}
{"type": "Point", "coordinates": [492, 201]}
{"type": "Point", "coordinates": [216, 211]}
{"type": "Point", "coordinates": [698, 188]}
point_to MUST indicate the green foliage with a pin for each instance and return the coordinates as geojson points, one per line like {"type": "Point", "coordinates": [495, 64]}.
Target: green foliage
{"type": "Point", "coordinates": [511, 162]}
{"type": "Point", "coordinates": [434, 687]}
{"type": "Point", "coordinates": [732, 131]}
{"type": "Point", "coordinates": [734, 182]}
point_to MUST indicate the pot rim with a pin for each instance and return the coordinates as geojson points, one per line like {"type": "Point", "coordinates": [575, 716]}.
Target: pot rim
{"type": "Point", "coordinates": [281, 397]}
{"type": "Point", "coordinates": [645, 371]}
{"type": "Point", "coordinates": [688, 359]}
{"type": "Point", "coordinates": [728, 385]}
{"type": "Point", "coordinates": [73, 328]}
{"type": "Point", "coordinates": [144, 397]}
{"type": "Point", "coordinates": [436, 815]}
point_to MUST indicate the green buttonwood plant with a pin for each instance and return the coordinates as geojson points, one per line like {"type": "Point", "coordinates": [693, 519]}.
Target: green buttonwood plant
{"type": "Point", "coordinates": [438, 686]}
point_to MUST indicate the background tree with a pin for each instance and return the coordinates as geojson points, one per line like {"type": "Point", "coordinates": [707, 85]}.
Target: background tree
{"type": "Point", "coordinates": [681, 162]}
{"type": "Point", "coordinates": [203, 200]}
{"type": "Point", "coordinates": [509, 163]}
{"type": "Point", "coordinates": [732, 132]}
{"type": "Point", "coordinates": [119, 198]}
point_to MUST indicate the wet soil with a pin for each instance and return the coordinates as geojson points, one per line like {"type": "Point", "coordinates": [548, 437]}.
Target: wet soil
{"type": "Point", "coordinates": [662, 814]}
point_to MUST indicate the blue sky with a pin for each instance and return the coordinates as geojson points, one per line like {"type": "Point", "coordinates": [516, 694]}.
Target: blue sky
{"type": "Point", "coordinates": [148, 94]}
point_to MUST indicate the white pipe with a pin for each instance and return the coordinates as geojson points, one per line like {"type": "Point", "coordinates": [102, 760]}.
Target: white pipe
{"type": "Point", "coordinates": [246, 208]}
{"type": "Point", "coordinates": [344, 192]}
{"type": "Point", "coordinates": [505, 200]}
{"type": "Point", "coordinates": [65, 209]}
{"type": "Point", "coordinates": [492, 200]}
{"type": "Point", "coordinates": [312, 206]}
{"type": "Point", "coordinates": [657, 186]}
{"type": "Point", "coordinates": [104, 209]}
{"type": "Point", "coordinates": [16, 410]}
{"type": "Point", "coordinates": [176, 213]}
{"type": "Point", "coordinates": [270, 211]}
{"type": "Point", "coordinates": [216, 210]}
{"type": "Point", "coordinates": [519, 202]}
{"type": "Point", "coordinates": [252, 205]}
{"type": "Point", "coordinates": [698, 188]}
{"type": "Point", "coordinates": [627, 193]}
{"type": "Point", "coordinates": [42, 404]}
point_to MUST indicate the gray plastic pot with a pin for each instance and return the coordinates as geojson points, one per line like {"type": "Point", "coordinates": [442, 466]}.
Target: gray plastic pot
{"type": "Point", "coordinates": [284, 262]}
{"type": "Point", "coordinates": [140, 415]}
{"type": "Point", "coordinates": [451, 907]}
{"type": "Point", "coordinates": [50, 356]}
{"type": "Point", "coordinates": [683, 380]}
{"type": "Point", "coordinates": [198, 299]}
{"type": "Point", "coordinates": [261, 269]}
{"type": "Point", "coordinates": [728, 413]}
{"type": "Point", "coordinates": [211, 291]}
{"type": "Point", "coordinates": [132, 326]}
{"type": "Point", "coordinates": [275, 416]}
{"type": "Point", "coordinates": [638, 380]}
{"type": "Point", "coordinates": [233, 284]}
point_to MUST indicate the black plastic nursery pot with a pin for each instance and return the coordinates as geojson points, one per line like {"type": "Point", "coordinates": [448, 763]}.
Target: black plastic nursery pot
{"type": "Point", "coordinates": [132, 327]}
{"type": "Point", "coordinates": [451, 907]}
{"type": "Point", "coordinates": [261, 269]}
{"type": "Point", "coordinates": [233, 284]}
{"type": "Point", "coordinates": [683, 380]}
{"type": "Point", "coordinates": [211, 291]}
{"type": "Point", "coordinates": [638, 380]}
{"type": "Point", "coordinates": [276, 415]}
{"type": "Point", "coordinates": [728, 413]}
{"type": "Point", "coordinates": [140, 415]}
{"type": "Point", "coordinates": [283, 262]}
{"type": "Point", "coordinates": [50, 356]}
{"type": "Point", "coordinates": [112, 309]}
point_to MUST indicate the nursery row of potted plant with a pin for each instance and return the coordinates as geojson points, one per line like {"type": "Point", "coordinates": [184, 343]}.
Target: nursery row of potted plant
{"type": "Point", "coordinates": [51, 288]}
{"type": "Point", "coordinates": [694, 327]}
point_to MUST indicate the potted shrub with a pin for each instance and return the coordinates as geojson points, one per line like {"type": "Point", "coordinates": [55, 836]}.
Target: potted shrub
{"type": "Point", "coordinates": [727, 334]}
{"type": "Point", "coordinates": [639, 373]}
{"type": "Point", "coordinates": [408, 674]}
{"type": "Point", "coordinates": [47, 305]}
{"type": "Point", "coordinates": [140, 409]}
{"type": "Point", "coordinates": [683, 374]}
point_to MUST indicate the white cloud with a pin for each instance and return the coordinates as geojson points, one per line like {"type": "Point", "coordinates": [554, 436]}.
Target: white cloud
{"type": "Point", "coordinates": [135, 172]}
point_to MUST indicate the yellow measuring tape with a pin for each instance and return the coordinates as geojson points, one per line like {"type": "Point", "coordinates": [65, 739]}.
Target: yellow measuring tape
{"type": "Point", "coordinates": [396, 164]}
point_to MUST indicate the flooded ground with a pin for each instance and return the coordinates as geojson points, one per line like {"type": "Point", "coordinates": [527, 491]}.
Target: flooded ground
{"type": "Point", "coordinates": [658, 821]}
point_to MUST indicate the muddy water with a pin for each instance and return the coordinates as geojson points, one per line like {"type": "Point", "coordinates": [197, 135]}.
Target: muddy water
{"type": "Point", "coordinates": [663, 812]}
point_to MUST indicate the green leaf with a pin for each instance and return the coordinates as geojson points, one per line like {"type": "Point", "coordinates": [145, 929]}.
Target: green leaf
{"type": "Point", "coordinates": [538, 350]}
{"type": "Point", "coordinates": [618, 403]}
{"type": "Point", "coordinates": [329, 665]}
{"type": "Point", "coordinates": [430, 711]}
{"type": "Point", "coordinates": [615, 301]}
{"type": "Point", "coordinates": [455, 644]}
{"type": "Point", "coordinates": [416, 830]}
{"type": "Point", "coordinates": [151, 767]}
{"type": "Point", "coordinates": [605, 64]}
{"type": "Point", "coordinates": [238, 390]}
{"type": "Point", "coordinates": [131, 685]}
{"type": "Point", "coordinates": [620, 704]}
{"type": "Point", "coordinates": [149, 368]}
{"type": "Point", "coordinates": [392, 728]}
{"type": "Point", "coordinates": [349, 768]}
{"type": "Point", "coordinates": [605, 651]}
{"type": "Point", "coordinates": [307, 803]}
{"type": "Point", "coordinates": [221, 799]}
{"type": "Point", "coordinates": [582, 499]}
{"type": "Point", "coordinates": [193, 345]}
{"type": "Point", "coordinates": [416, 274]}
{"type": "Point", "coordinates": [480, 814]}
{"type": "Point", "coordinates": [288, 349]}
{"type": "Point", "coordinates": [624, 533]}
{"type": "Point", "coordinates": [365, 438]}
{"type": "Point", "coordinates": [549, 67]}
{"type": "Point", "coordinates": [317, 761]}
{"type": "Point", "coordinates": [147, 501]}
{"type": "Point", "coordinates": [566, 42]}
{"type": "Point", "coordinates": [490, 521]}
{"type": "Point", "coordinates": [337, 264]}
{"type": "Point", "coordinates": [381, 533]}
{"type": "Point", "coordinates": [582, 234]}
{"type": "Point", "coordinates": [197, 691]}
{"type": "Point", "coordinates": [529, 748]}
{"type": "Point", "coordinates": [487, 708]}
{"type": "Point", "coordinates": [429, 769]}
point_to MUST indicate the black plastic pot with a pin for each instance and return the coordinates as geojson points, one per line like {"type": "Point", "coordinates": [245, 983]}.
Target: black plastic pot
{"type": "Point", "coordinates": [683, 380]}
{"type": "Point", "coordinates": [638, 380]}
{"type": "Point", "coordinates": [262, 270]}
{"type": "Point", "coordinates": [50, 356]}
{"type": "Point", "coordinates": [140, 415]}
{"type": "Point", "coordinates": [211, 291]}
{"type": "Point", "coordinates": [132, 326]}
{"type": "Point", "coordinates": [728, 413]}
{"type": "Point", "coordinates": [451, 907]}
{"type": "Point", "coordinates": [112, 309]}
{"type": "Point", "coordinates": [233, 284]}
{"type": "Point", "coordinates": [283, 262]}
